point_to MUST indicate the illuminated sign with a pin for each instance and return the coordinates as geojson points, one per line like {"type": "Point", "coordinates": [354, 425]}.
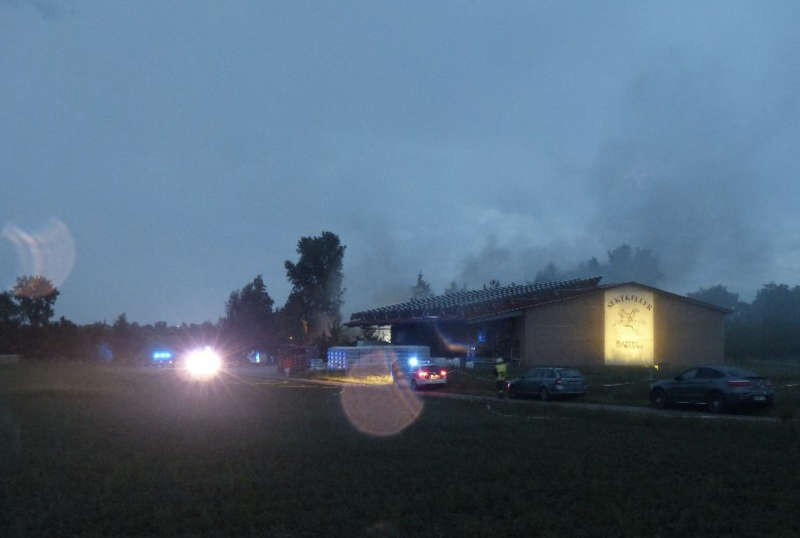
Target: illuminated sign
{"type": "Point", "coordinates": [629, 326]}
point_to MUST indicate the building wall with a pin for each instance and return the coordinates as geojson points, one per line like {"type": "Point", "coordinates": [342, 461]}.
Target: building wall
{"type": "Point", "coordinates": [568, 333]}
{"type": "Point", "coordinates": [573, 332]}
{"type": "Point", "coordinates": [687, 334]}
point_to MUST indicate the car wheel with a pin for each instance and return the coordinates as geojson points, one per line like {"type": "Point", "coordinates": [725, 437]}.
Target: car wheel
{"type": "Point", "coordinates": [544, 394]}
{"type": "Point", "coordinates": [716, 402]}
{"type": "Point", "coordinates": [659, 398]}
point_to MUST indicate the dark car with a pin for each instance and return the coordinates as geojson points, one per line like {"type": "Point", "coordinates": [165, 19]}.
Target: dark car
{"type": "Point", "coordinates": [547, 382]}
{"type": "Point", "coordinates": [716, 387]}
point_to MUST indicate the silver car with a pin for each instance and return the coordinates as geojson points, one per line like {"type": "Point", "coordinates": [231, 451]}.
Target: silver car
{"type": "Point", "coordinates": [716, 387]}
{"type": "Point", "coordinates": [547, 382]}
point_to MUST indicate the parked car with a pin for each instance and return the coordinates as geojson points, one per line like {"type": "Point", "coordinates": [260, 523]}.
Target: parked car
{"type": "Point", "coordinates": [716, 387]}
{"type": "Point", "coordinates": [548, 382]}
{"type": "Point", "coordinates": [425, 375]}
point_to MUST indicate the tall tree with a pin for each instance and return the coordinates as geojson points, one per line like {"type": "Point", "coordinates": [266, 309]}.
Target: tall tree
{"type": "Point", "coordinates": [35, 297]}
{"type": "Point", "coordinates": [317, 281]}
{"type": "Point", "coordinates": [421, 289]}
{"type": "Point", "coordinates": [248, 314]}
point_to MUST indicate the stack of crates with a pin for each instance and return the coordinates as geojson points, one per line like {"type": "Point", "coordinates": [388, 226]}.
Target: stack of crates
{"type": "Point", "coordinates": [345, 357]}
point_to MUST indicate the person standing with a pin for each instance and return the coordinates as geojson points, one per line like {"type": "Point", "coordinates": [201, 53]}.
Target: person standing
{"type": "Point", "coordinates": [500, 374]}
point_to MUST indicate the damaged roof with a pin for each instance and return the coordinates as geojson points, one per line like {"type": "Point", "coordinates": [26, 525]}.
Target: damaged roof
{"type": "Point", "coordinates": [465, 305]}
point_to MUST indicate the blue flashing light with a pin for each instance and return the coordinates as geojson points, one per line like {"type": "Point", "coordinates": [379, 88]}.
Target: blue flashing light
{"type": "Point", "coordinates": [161, 355]}
{"type": "Point", "coordinates": [413, 361]}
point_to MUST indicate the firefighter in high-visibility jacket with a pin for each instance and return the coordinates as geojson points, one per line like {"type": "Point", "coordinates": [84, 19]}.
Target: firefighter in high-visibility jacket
{"type": "Point", "coordinates": [500, 372]}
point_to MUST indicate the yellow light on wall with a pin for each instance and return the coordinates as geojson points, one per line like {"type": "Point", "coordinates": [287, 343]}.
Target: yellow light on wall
{"type": "Point", "coordinates": [629, 326]}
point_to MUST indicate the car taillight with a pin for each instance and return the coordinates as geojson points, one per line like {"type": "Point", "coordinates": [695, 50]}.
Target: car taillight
{"type": "Point", "coordinates": [739, 383]}
{"type": "Point", "coordinates": [422, 374]}
{"type": "Point", "coordinates": [443, 373]}
{"type": "Point", "coordinates": [558, 381]}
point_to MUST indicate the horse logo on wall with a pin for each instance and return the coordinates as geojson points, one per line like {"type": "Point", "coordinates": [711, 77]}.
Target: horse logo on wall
{"type": "Point", "coordinates": [628, 321]}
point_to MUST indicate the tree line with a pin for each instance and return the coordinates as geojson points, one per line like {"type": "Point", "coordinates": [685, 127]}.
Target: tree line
{"type": "Point", "coordinates": [769, 326]}
{"type": "Point", "coordinates": [310, 316]}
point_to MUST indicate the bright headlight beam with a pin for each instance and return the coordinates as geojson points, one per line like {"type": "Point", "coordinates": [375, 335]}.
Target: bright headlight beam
{"type": "Point", "coordinates": [203, 363]}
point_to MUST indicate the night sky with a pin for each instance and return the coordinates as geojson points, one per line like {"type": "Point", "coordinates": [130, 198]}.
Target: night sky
{"type": "Point", "coordinates": [160, 154]}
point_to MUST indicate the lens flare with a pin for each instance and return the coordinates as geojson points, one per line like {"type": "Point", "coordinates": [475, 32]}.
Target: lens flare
{"type": "Point", "coordinates": [48, 252]}
{"type": "Point", "coordinates": [203, 363]}
{"type": "Point", "coordinates": [380, 410]}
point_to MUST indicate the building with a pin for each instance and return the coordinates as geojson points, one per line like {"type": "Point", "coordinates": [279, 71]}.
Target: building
{"type": "Point", "coordinates": [574, 322]}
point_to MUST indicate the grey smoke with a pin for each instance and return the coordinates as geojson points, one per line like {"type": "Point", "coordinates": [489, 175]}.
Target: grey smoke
{"type": "Point", "coordinates": [189, 149]}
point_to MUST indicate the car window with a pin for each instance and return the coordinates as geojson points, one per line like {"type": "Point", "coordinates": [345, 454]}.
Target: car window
{"type": "Point", "coordinates": [709, 373]}
{"type": "Point", "coordinates": [530, 373]}
{"type": "Point", "coordinates": [688, 374]}
{"type": "Point", "coordinates": [569, 372]}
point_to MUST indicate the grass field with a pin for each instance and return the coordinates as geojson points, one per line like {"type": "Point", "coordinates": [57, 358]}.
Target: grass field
{"type": "Point", "coordinates": [91, 451]}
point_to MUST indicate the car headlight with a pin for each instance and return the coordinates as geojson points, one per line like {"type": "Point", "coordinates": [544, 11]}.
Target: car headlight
{"type": "Point", "coordinates": [203, 363]}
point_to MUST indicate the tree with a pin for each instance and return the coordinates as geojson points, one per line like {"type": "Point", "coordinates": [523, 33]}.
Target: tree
{"type": "Point", "coordinates": [9, 321]}
{"type": "Point", "coordinates": [248, 314]}
{"type": "Point", "coordinates": [35, 297]}
{"type": "Point", "coordinates": [624, 264]}
{"type": "Point", "coordinates": [289, 320]}
{"type": "Point", "coordinates": [639, 265]}
{"type": "Point", "coordinates": [9, 310]}
{"type": "Point", "coordinates": [316, 281]}
{"type": "Point", "coordinates": [589, 268]}
{"type": "Point", "coordinates": [716, 295]}
{"type": "Point", "coordinates": [122, 338]}
{"type": "Point", "coordinates": [777, 303]}
{"type": "Point", "coordinates": [421, 289]}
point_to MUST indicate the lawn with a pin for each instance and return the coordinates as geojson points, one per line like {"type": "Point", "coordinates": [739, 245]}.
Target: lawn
{"type": "Point", "coordinates": [101, 451]}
